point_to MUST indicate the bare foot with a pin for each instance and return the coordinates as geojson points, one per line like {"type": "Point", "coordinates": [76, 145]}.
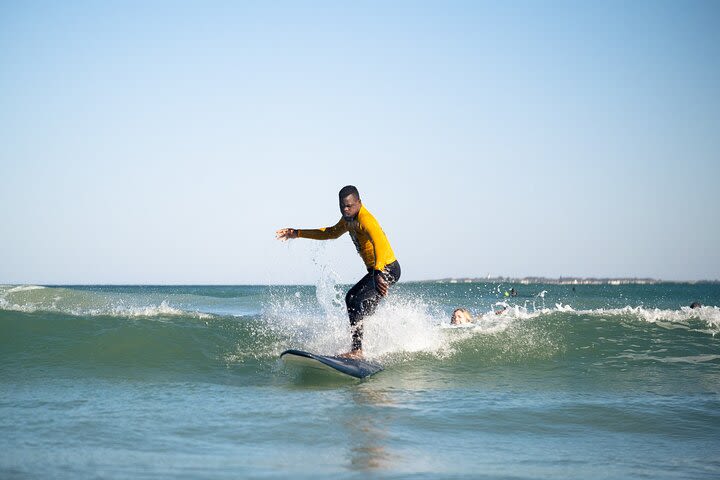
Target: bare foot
{"type": "Point", "coordinates": [354, 354]}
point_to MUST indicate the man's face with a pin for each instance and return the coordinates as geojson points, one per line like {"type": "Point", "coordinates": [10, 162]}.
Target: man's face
{"type": "Point", "coordinates": [350, 206]}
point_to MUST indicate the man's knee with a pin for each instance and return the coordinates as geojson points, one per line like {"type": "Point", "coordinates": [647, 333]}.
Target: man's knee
{"type": "Point", "coordinates": [349, 299]}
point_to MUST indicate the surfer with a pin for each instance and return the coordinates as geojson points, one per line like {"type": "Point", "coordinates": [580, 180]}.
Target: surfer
{"type": "Point", "coordinates": [373, 247]}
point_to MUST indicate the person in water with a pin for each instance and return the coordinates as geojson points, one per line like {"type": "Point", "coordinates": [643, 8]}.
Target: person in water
{"type": "Point", "coordinates": [461, 316]}
{"type": "Point", "coordinates": [375, 251]}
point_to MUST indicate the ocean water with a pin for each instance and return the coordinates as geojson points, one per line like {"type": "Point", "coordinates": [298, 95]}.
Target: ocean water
{"type": "Point", "coordinates": [591, 381]}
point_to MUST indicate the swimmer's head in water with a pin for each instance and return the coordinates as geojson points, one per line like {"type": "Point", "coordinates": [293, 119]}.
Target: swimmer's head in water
{"type": "Point", "coordinates": [460, 316]}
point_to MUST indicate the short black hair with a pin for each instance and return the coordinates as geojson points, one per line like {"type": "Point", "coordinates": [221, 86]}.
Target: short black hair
{"type": "Point", "coordinates": [349, 190]}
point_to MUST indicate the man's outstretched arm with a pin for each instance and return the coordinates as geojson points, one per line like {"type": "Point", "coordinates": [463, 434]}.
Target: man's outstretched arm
{"type": "Point", "coordinates": [326, 233]}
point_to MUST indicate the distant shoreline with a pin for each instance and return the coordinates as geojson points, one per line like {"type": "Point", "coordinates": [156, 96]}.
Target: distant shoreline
{"type": "Point", "coordinates": [451, 280]}
{"type": "Point", "coordinates": [564, 280]}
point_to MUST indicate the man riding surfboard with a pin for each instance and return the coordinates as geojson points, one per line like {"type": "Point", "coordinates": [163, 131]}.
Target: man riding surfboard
{"type": "Point", "coordinates": [373, 247]}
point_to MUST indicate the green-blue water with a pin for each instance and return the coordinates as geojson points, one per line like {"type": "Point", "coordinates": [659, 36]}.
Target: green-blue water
{"type": "Point", "coordinates": [185, 382]}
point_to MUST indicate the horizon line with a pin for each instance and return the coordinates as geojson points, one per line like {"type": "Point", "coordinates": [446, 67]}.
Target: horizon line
{"type": "Point", "coordinates": [561, 280]}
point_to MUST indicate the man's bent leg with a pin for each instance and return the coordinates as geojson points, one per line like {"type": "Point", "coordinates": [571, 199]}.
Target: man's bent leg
{"type": "Point", "coordinates": [360, 301]}
{"type": "Point", "coordinates": [363, 299]}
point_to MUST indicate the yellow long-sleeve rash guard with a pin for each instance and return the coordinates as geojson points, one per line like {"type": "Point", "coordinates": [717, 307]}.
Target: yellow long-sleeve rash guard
{"type": "Point", "coordinates": [369, 239]}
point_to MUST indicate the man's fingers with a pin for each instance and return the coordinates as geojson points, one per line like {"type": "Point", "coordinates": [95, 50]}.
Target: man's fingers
{"type": "Point", "coordinates": [284, 234]}
{"type": "Point", "coordinates": [381, 284]}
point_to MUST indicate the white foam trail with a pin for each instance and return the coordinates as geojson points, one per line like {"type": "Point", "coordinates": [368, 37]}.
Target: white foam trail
{"type": "Point", "coordinates": [710, 315]}
{"type": "Point", "coordinates": [406, 326]}
{"type": "Point", "coordinates": [398, 325]}
{"type": "Point", "coordinates": [163, 309]}
{"type": "Point", "coordinates": [491, 322]}
{"type": "Point", "coordinates": [403, 326]}
{"type": "Point", "coordinates": [82, 303]}
{"type": "Point", "coordinates": [327, 291]}
{"type": "Point", "coordinates": [563, 308]}
{"type": "Point", "coordinates": [24, 288]}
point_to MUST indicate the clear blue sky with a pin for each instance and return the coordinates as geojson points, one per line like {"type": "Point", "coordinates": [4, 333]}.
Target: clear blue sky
{"type": "Point", "coordinates": [165, 142]}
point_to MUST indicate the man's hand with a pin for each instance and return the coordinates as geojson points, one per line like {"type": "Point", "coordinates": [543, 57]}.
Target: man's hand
{"type": "Point", "coordinates": [286, 234]}
{"type": "Point", "coordinates": [381, 284]}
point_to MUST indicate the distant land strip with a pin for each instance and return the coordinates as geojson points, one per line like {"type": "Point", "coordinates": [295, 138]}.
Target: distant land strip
{"type": "Point", "coordinates": [564, 280]}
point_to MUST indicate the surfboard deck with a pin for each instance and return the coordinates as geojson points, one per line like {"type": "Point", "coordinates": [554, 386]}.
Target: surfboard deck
{"type": "Point", "coordinates": [344, 366]}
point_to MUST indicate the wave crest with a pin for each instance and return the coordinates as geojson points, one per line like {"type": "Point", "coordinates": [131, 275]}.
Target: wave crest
{"type": "Point", "coordinates": [68, 301]}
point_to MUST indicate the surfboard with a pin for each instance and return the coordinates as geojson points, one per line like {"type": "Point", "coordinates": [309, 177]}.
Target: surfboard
{"type": "Point", "coordinates": [343, 366]}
